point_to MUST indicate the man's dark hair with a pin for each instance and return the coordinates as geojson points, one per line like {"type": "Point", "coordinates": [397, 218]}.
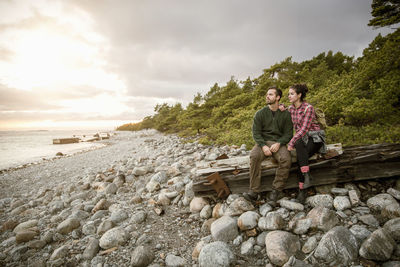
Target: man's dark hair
{"type": "Point", "coordinates": [278, 92]}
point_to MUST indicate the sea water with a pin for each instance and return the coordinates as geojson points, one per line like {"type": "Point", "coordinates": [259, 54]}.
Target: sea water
{"type": "Point", "coordinates": [21, 147]}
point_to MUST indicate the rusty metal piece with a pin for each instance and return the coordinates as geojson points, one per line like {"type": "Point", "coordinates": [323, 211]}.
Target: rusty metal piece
{"type": "Point", "coordinates": [330, 153]}
{"type": "Point", "coordinates": [236, 171]}
{"type": "Point", "coordinates": [223, 156]}
{"type": "Point", "coordinates": [252, 232]}
{"type": "Point", "coordinates": [211, 181]}
{"type": "Point", "coordinates": [218, 185]}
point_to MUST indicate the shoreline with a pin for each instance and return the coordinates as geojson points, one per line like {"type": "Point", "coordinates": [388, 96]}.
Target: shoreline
{"type": "Point", "coordinates": [59, 169]}
{"type": "Point", "coordinates": [50, 159]}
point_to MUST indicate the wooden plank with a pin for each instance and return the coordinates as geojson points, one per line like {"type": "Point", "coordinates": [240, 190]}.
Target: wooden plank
{"type": "Point", "coordinates": [208, 167]}
{"type": "Point", "coordinates": [60, 141]}
{"type": "Point", "coordinates": [357, 163]}
{"type": "Point", "coordinates": [321, 177]}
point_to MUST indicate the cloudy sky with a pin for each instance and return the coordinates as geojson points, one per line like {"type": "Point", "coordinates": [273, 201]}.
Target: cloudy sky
{"type": "Point", "coordinates": [99, 64]}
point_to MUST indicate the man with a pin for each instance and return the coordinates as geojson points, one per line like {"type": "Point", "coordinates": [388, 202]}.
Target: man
{"type": "Point", "coordinates": [272, 130]}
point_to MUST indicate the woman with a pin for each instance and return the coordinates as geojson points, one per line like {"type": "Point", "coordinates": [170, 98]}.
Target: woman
{"type": "Point", "coordinates": [309, 137]}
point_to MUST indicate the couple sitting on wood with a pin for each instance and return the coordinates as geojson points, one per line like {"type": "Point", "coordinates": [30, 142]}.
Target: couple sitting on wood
{"type": "Point", "coordinates": [273, 134]}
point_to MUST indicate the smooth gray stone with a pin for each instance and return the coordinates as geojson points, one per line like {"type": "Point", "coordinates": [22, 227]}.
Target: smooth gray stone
{"type": "Point", "coordinates": [217, 254]}
{"type": "Point", "coordinates": [224, 229]}
{"type": "Point", "coordinates": [337, 247]}
{"type": "Point", "coordinates": [378, 246]}
{"type": "Point", "coordinates": [142, 256]}
{"type": "Point", "coordinates": [91, 249]}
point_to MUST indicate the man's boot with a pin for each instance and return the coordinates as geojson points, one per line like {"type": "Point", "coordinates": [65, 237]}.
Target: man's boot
{"type": "Point", "coordinates": [250, 196]}
{"type": "Point", "coordinates": [307, 179]}
{"type": "Point", "coordinates": [275, 195]}
{"type": "Point", "coordinates": [301, 197]}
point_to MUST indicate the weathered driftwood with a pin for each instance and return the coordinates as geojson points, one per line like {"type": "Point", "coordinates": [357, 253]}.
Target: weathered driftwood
{"type": "Point", "coordinates": [61, 141]}
{"type": "Point", "coordinates": [355, 163]}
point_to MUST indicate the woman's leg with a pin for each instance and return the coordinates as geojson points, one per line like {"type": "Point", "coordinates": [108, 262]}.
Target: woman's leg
{"type": "Point", "coordinates": [304, 151]}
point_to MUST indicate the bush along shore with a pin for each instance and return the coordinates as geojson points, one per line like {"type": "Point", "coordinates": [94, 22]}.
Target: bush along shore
{"type": "Point", "coordinates": [140, 210]}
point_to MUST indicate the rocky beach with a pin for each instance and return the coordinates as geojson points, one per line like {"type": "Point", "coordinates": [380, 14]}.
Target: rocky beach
{"type": "Point", "coordinates": [131, 203]}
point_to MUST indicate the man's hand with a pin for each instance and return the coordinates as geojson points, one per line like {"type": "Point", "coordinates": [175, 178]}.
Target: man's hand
{"type": "Point", "coordinates": [290, 148]}
{"type": "Point", "coordinates": [275, 147]}
{"type": "Point", "coordinates": [267, 151]}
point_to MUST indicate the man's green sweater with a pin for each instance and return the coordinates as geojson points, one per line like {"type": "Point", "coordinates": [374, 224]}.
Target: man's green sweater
{"type": "Point", "coordinates": [269, 127]}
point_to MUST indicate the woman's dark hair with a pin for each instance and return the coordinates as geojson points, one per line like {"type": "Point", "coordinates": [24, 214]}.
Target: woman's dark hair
{"type": "Point", "coordinates": [300, 88]}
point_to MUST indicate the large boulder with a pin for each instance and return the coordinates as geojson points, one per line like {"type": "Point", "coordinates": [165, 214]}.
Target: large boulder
{"type": "Point", "coordinates": [378, 246]}
{"type": "Point", "coordinates": [320, 200]}
{"type": "Point", "coordinates": [239, 206]}
{"type": "Point", "coordinates": [216, 254]}
{"type": "Point", "coordinates": [322, 218]}
{"type": "Point", "coordinates": [272, 221]}
{"type": "Point", "coordinates": [224, 229]}
{"type": "Point", "coordinates": [384, 204]}
{"type": "Point", "coordinates": [393, 228]}
{"type": "Point", "coordinates": [293, 262]}
{"type": "Point", "coordinates": [291, 205]}
{"type": "Point", "coordinates": [341, 203]}
{"type": "Point", "coordinates": [248, 220]}
{"type": "Point", "coordinates": [360, 233]}
{"type": "Point", "coordinates": [219, 210]}
{"type": "Point", "coordinates": [337, 247]}
{"type": "Point", "coordinates": [197, 204]}
{"type": "Point", "coordinates": [280, 246]}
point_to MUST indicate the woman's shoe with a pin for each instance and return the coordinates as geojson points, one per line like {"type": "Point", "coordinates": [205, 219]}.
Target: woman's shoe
{"type": "Point", "coordinates": [307, 180]}
{"type": "Point", "coordinates": [301, 197]}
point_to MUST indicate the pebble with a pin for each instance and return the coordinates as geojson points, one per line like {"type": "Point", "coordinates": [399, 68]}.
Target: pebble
{"type": "Point", "coordinates": [25, 225]}
{"type": "Point", "coordinates": [141, 256]}
{"type": "Point", "coordinates": [91, 249]}
{"type": "Point", "coordinates": [68, 226]}
{"type": "Point", "coordinates": [25, 236]}
{"type": "Point", "coordinates": [113, 237]}
{"type": "Point", "coordinates": [174, 261]}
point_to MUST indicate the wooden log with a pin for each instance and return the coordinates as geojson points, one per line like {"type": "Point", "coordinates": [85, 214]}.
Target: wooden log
{"type": "Point", "coordinates": [355, 164]}
{"type": "Point", "coordinates": [60, 141]}
{"type": "Point", "coordinates": [208, 167]}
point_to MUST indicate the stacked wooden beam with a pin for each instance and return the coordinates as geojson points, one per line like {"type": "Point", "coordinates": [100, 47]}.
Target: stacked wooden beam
{"type": "Point", "coordinates": [352, 164]}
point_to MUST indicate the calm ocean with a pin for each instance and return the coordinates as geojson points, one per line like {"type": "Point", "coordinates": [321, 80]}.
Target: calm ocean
{"type": "Point", "coordinates": [21, 147]}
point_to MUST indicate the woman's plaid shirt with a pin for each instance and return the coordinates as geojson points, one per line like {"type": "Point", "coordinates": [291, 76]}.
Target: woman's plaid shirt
{"type": "Point", "coordinates": [303, 121]}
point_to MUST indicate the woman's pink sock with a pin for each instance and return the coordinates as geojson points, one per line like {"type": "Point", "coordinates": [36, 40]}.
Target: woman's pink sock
{"type": "Point", "coordinates": [301, 186]}
{"type": "Point", "coordinates": [305, 169]}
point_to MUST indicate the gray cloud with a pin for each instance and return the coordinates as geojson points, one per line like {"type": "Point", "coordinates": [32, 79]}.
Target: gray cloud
{"type": "Point", "coordinates": [177, 48]}
{"type": "Point", "coordinates": [12, 99]}
{"type": "Point", "coordinates": [167, 51]}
